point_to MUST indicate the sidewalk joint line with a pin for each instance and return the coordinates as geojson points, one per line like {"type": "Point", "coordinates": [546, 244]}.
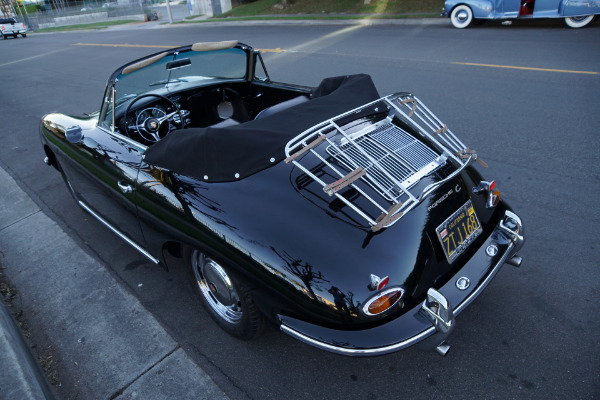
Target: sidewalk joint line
{"type": "Point", "coordinates": [19, 220]}
{"type": "Point", "coordinates": [124, 388]}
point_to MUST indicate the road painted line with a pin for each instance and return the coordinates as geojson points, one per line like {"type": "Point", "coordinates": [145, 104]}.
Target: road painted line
{"type": "Point", "coordinates": [32, 57]}
{"type": "Point", "coordinates": [528, 68]}
{"type": "Point", "coordinates": [153, 46]}
{"type": "Point", "coordinates": [277, 50]}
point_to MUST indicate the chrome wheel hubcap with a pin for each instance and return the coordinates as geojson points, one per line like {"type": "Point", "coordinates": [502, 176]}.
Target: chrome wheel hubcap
{"type": "Point", "coordinates": [216, 287]}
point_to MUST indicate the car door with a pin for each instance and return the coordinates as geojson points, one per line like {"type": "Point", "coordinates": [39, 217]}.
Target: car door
{"type": "Point", "coordinates": [511, 8]}
{"type": "Point", "coordinates": [546, 8]}
{"type": "Point", "coordinates": [102, 168]}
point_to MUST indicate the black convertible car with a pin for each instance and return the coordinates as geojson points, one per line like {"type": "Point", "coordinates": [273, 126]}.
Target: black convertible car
{"type": "Point", "coordinates": [354, 222]}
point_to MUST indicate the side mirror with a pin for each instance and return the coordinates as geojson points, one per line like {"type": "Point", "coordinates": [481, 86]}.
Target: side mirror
{"type": "Point", "coordinates": [74, 134]}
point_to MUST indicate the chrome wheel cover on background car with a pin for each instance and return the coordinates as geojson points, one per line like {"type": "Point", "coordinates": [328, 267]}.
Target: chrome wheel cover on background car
{"type": "Point", "coordinates": [461, 16]}
{"type": "Point", "coordinates": [216, 288]}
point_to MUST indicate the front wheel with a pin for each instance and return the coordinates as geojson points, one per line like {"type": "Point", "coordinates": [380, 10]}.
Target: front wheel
{"type": "Point", "coordinates": [225, 299]}
{"type": "Point", "coordinates": [461, 16]}
{"type": "Point", "coordinates": [578, 22]}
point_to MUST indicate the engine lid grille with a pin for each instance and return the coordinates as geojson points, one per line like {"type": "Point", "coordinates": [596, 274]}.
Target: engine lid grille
{"type": "Point", "coordinates": [389, 155]}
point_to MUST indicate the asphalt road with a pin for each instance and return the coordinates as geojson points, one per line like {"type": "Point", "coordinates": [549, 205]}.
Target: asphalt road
{"type": "Point", "coordinates": [534, 331]}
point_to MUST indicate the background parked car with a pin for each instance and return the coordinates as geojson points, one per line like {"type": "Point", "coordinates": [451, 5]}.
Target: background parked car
{"type": "Point", "coordinates": [11, 27]}
{"type": "Point", "coordinates": [463, 13]}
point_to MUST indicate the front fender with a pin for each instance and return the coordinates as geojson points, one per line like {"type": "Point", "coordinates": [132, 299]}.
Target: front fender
{"type": "Point", "coordinates": [482, 9]}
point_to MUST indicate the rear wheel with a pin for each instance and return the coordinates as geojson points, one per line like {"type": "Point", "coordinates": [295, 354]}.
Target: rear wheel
{"type": "Point", "coordinates": [461, 16]}
{"type": "Point", "coordinates": [16, 35]}
{"type": "Point", "coordinates": [578, 22]}
{"type": "Point", "coordinates": [225, 299]}
{"type": "Point", "coordinates": [23, 34]}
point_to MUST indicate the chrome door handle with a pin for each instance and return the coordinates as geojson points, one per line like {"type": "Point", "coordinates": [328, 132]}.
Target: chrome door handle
{"type": "Point", "coordinates": [125, 187]}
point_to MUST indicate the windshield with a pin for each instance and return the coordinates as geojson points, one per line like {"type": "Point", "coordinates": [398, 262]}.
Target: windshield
{"type": "Point", "coordinates": [166, 73]}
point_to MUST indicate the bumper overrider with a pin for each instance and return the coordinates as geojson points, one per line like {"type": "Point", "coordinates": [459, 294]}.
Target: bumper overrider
{"type": "Point", "coordinates": [432, 321]}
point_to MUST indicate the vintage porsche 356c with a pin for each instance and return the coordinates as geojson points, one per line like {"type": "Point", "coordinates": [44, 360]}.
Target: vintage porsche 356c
{"type": "Point", "coordinates": [356, 223]}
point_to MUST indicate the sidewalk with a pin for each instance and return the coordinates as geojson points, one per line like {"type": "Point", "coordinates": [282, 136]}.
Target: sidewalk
{"type": "Point", "coordinates": [105, 342]}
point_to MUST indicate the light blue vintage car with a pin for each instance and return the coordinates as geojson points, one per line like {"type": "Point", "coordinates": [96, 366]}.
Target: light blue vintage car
{"type": "Point", "coordinates": [577, 13]}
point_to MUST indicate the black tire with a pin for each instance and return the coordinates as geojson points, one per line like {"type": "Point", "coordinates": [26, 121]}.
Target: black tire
{"type": "Point", "coordinates": [24, 35]}
{"type": "Point", "coordinates": [16, 35]}
{"type": "Point", "coordinates": [223, 296]}
{"type": "Point", "coordinates": [4, 37]}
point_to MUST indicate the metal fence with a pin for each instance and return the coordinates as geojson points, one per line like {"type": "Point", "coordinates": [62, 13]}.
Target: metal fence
{"type": "Point", "coordinates": [60, 13]}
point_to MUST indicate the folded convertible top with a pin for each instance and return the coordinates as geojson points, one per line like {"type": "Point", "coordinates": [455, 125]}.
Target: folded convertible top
{"type": "Point", "coordinates": [235, 152]}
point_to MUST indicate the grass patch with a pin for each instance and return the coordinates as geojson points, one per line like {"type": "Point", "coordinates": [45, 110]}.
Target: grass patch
{"type": "Point", "coordinates": [79, 27]}
{"type": "Point", "coordinates": [312, 17]}
{"type": "Point", "coordinates": [389, 8]}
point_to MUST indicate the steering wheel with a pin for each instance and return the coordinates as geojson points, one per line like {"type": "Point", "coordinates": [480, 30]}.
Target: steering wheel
{"type": "Point", "coordinates": [148, 124]}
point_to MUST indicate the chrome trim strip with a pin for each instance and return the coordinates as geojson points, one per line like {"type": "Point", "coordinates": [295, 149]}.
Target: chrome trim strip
{"type": "Point", "coordinates": [132, 142]}
{"type": "Point", "coordinates": [358, 352]}
{"type": "Point", "coordinates": [487, 280]}
{"type": "Point", "coordinates": [113, 107]}
{"type": "Point", "coordinates": [413, 340]}
{"type": "Point", "coordinates": [118, 233]}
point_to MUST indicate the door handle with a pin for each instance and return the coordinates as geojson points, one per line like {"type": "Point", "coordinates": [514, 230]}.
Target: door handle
{"type": "Point", "coordinates": [125, 187]}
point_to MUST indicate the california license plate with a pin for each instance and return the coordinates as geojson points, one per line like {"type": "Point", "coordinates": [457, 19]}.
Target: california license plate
{"type": "Point", "coordinates": [458, 231]}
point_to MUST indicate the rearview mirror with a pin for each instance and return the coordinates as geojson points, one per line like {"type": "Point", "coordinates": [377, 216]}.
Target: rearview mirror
{"type": "Point", "coordinates": [184, 62]}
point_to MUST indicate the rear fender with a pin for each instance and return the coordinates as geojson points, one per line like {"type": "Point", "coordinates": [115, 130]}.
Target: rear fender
{"type": "Point", "coordinates": [577, 8]}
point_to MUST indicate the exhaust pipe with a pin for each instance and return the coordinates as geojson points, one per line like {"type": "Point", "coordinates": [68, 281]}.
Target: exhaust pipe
{"type": "Point", "coordinates": [443, 349]}
{"type": "Point", "coordinates": [515, 261]}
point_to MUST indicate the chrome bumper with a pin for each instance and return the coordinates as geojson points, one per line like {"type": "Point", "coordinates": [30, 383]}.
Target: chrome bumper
{"type": "Point", "coordinates": [434, 318]}
{"type": "Point", "coordinates": [12, 32]}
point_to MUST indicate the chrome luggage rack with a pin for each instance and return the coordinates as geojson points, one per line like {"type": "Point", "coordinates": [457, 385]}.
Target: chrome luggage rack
{"type": "Point", "coordinates": [381, 155]}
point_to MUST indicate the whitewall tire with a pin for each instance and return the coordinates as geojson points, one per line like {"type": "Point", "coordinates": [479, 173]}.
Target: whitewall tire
{"type": "Point", "coordinates": [461, 16]}
{"type": "Point", "coordinates": [578, 22]}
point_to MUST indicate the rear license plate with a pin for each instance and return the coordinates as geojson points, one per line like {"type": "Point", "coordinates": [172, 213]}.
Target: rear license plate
{"type": "Point", "coordinates": [458, 231]}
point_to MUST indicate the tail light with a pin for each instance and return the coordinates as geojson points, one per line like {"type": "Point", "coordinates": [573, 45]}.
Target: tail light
{"type": "Point", "coordinates": [383, 301]}
{"type": "Point", "coordinates": [493, 196]}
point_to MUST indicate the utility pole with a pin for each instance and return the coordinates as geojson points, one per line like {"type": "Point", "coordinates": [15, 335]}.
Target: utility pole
{"type": "Point", "coordinates": [169, 12]}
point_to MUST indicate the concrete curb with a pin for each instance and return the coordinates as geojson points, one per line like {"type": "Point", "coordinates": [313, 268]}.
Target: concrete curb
{"type": "Point", "coordinates": [21, 376]}
{"type": "Point", "coordinates": [106, 343]}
